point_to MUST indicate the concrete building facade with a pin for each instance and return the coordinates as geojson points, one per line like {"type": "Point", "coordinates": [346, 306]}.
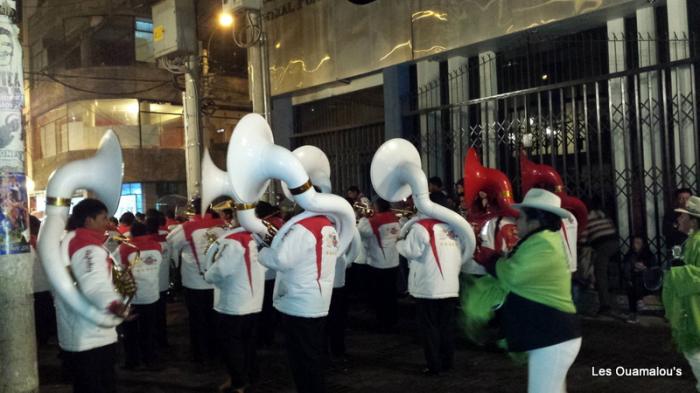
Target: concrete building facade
{"type": "Point", "coordinates": [91, 68]}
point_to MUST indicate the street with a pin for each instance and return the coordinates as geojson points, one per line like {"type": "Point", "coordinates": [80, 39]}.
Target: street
{"type": "Point", "coordinates": [391, 363]}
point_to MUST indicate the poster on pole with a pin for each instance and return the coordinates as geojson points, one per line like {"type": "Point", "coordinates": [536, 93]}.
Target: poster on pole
{"type": "Point", "coordinates": [11, 93]}
{"type": "Point", "coordinates": [13, 214]}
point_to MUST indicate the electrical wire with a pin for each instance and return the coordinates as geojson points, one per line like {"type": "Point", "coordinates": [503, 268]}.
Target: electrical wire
{"type": "Point", "coordinates": [105, 78]}
{"type": "Point", "coordinates": [106, 92]}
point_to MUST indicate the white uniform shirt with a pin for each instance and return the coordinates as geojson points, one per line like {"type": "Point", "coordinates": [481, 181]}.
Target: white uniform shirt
{"type": "Point", "coordinates": [305, 264]}
{"type": "Point", "coordinates": [164, 271]}
{"type": "Point", "coordinates": [91, 265]}
{"type": "Point", "coordinates": [380, 234]}
{"type": "Point", "coordinates": [146, 271]}
{"type": "Point", "coordinates": [344, 261]}
{"type": "Point", "coordinates": [237, 275]}
{"type": "Point", "coordinates": [434, 256]}
{"type": "Point", "coordinates": [189, 242]}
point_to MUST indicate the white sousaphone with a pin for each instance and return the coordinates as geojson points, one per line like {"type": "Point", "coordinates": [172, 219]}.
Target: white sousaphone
{"type": "Point", "coordinates": [317, 166]}
{"type": "Point", "coordinates": [101, 174]}
{"type": "Point", "coordinates": [396, 173]}
{"type": "Point", "coordinates": [257, 160]}
{"type": "Point", "coordinates": [216, 183]}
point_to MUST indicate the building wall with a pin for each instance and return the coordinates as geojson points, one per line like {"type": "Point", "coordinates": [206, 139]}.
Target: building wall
{"type": "Point", "coordinates": [63, 46]}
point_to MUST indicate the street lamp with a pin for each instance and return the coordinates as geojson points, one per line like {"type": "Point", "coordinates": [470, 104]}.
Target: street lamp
{"type": "Point", "coordinates": [225, 19]}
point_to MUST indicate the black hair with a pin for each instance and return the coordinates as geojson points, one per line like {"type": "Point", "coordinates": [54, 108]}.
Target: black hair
{"type": "Point", "coordinates": [127, 218]}
{"type": "Point", "coordinates": [152, 213]}
{"type": "Point", "coordinates": [138, 229]}
{"type": "Point", "coordinates": [549, 221]}
{"type": "Point", "coordinates": [382, 205]}
{"type": "Point", "coordinates": [140, 217]}
{"type": "Point", "coordinates": [684, 190]}
{"type": "Point", "coordinates": [354, 189]}
{"type": "Point", "coordinates": [170, 214]}
{"type": "Point", "coordinates": [264, 209]}
{"type": "Point", "coordinates": [436, 181]}
{"type": "Point", "coordinates": [114, 220]}
{"type": "Point", "coordinates": [86, 208]}
{"type": "Point", "coordinates": [439, 198]}
{"type": "Point", "coordinates": [152, 225]}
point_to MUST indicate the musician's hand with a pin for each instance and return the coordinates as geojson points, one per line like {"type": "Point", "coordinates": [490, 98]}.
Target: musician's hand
{"type": "Point", "coordinates": [121, 310]}
{"type": "Point", "coordinates": [639, 266]}
{"type": "Point", "coordinates": [260, 241]}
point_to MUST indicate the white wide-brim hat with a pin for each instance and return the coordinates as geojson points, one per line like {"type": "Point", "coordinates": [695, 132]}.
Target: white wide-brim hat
{"type": "Point", "coordinates": [538, 198]}
{"type": "Point", "coordinates": [692, 207]}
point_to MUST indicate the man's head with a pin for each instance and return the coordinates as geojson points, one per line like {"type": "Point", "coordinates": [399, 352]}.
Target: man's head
{"type": "Point", "coordinates": [434, 184]}
{"type": "Point", "coordinates": [127, 219]}
{"type": "Point", "coordinates": [682, 196]}
{"type": "Point", "coordinates": [353, 192]}
{"type": "Point", "coordinates": [89, 214]}
{"type": "Point", "coordinates": [689, 219]}
{"type": "Point", "coordinates": [138, 229]}
{"type": "Point", "coordinates": [381, 205]}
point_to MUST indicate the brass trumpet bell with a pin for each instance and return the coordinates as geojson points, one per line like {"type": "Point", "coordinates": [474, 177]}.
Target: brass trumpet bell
{"type": "Point", "coordinates": [225, 205]}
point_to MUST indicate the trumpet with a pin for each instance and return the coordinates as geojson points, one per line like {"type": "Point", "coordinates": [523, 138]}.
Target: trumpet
{"type": "Point", "coordinates": [363, 209]}
{"type": "Point", "coordinates": [122, 276]}
{"type": "Point", "coordinates": [225, 205]}
{"type": "Point", "coordinates": [367, 211]}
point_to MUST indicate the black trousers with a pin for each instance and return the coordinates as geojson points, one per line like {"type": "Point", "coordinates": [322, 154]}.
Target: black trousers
{"type": "Point", "coordinates": [162, 320]}
{"type": "Point", "coordinates": [305, 342]}
{"type": "Point", "coordinates": [436, 318]}
{"type": "Point", "coordinates": [635, 291]}
{"type": "Point", "coordinates": [268, 317]}
{"type": "Point", "coordinates": [202, 321]}
{"type": "Point", "coordinates": [139, 336]}
{"type": "Point", "coordinates": [44, 317]}
{"type": "Point", "coordinates": [383, 292]}
{"type": "Point", "coordinates": [237, 337]}
{"type": "Point", "coordinates": [92, 371]}
{"type": "Point", "coordinates": [337, 321]}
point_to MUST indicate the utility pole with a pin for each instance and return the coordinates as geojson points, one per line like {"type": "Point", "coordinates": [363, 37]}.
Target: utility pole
{"type": "Point", "coordinates": [18, 362]}
{"type": "Point", "coordinates": [193, 131]}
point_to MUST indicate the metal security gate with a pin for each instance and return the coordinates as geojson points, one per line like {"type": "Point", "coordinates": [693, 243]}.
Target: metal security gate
{"type": "Point", "coordinates": [349, 128]}
{"type": "Point", "coordinates": [349, 150]}
{"type": "Point", "coordinates": [627, 139]}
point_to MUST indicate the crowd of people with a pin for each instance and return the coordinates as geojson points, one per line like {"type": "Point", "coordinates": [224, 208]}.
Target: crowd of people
{"type": "Point", "coordinates": [235, 286]}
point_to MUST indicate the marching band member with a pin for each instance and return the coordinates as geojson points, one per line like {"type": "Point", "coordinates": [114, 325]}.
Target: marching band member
{"type": "Point", "coordinates": [380, 232]}
{"type": "Point", "coordinates": [681, 290]}
{"type": "Point", "coordinates": [268, 317]}
{"type": "Point", "coordinates": [156, 227]}
{"type": "Point", "coordinates": [338, 311]}
{"type": "Point", "coordinates": [487, 199]}
{"type": "Point", "coordinates": [530, 289]}
{"type": "Point", "coordinates": [125, 222]}
{"type": "Point", "coordinates": [303, 252]}
{"type": "Point", "coordinates": [87, 313]}
{"type": "Point", "coordinates": [145, 254]}
{"type": "Point", "coordinates": [305, 264]}
{"type": "Point", "coordinates": [239, 285]}
{"type": "Point", "coordinates": [90, 348]}
{"type": "Point", "coordinates": [189, 241]}
{"type": "Point", "coordinates": [435, 260]}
